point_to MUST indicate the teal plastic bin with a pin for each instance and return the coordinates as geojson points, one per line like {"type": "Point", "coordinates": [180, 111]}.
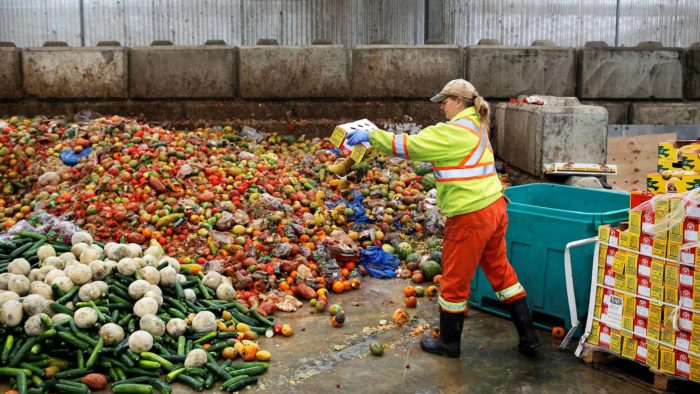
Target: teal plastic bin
{"type": "Point", "coordinates": [543, 218]}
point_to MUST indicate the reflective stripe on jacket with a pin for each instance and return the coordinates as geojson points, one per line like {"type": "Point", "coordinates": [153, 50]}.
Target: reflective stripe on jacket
{"type": "Point", "coordinates": [462, 156]}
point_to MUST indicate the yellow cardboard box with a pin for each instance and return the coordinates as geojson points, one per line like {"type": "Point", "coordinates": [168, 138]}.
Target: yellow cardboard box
{"type": "Point", "coordinates": [671, 150]}
{"type": "Point", "coordinates": [634, 241]}
{"type": "Point", "coordinates": [657, 271]}
{"type": "Point", "coordinates": [631, 265]}
{"type": "Point", "coordinates": [657, 291]}
{"type": "Point", "coordinates": [668, 165]}
{"type": "Point", "coordinates": [652, 355]}
{"type": "Point", "coordinates": [667, 360]}
{"type": "Point", "coordinates": [673, 251]}
{"type": "Point", "coordinates": [653, 332]}
{"type": "Point", "coordinates": [657, 184]}
{"type": "Point", "coordinates": [655, 313]}
{"type": "Point", "coordinates": [695, 369]}
{"type": "Point", "coordinates": [629, 348]}
{"type": "Point", "coordinates": [671, 275]}
{"type": "Point", "coordinates": [690, 161]}
{"type": "Point", "coordinates": [594, 336]}
{"type": "Point", "coordinates": [635, 222]}
{"type": "Point", "coordinates": [624, 240]}
{"type": "Point", "coordinates": [659, 248]}
{"type": "Point", "coordinates": [671, 294]}
{"type": "Point", "coordinates": [357, 152]}
{"type": "Point", "coordinates": [619, 262]}
{"type": "Point", "coordinates": [631, 283]}
{"type": "Point", "coordinates": [615, 341]}
{"type": "Point", "coordinates": [602, 255]}
{"type": "Point", "coordinates": [675, 233]}
{"type": "Point", "coordinates": [661, 208]}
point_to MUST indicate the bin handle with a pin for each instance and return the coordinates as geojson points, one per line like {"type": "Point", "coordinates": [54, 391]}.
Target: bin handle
{"type": "Point", "coordinates": [570, 293]}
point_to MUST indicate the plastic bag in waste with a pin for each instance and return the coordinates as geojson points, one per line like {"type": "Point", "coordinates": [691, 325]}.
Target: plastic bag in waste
{"type": "Point", "coordinates": [222, 238]}
{"type": "Point", "coordinates": [435, 223]}
{"type": "Point", "coordinates": [225, 222]}
{"type": "Point", "coordinates": [359, 215]}
{"type": "Point", "coordinates": [214, 265]}
{"type": "Point", "coordinates": [378, 263]}
{"type": "Point", "coordinates": [253, 134]}
{"type": "Point", "coordinates": [282, 250]}
{"type": "Point", "coordinates": [70, 158]}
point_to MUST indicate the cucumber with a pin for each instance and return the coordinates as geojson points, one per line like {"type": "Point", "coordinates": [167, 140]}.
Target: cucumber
{"type": "Point", "coordinates": [9, 342]}
{"type": "Point", "coordinates": [160, 385]}
{"type": "Point", "coordinates": [255, 370]}
{"type": "Point", "coordinates": [69, 389]}
{"type": "Point", "coordinates": [195, 383]}
{"type": "Point", "coordinates": [237, 386]}
{"type": "Point", "coordinates": [17, 357]}
{"type": "Point", "coordinates": [72, 373]}
{"type": "Point", "coordinates": [132, 388]}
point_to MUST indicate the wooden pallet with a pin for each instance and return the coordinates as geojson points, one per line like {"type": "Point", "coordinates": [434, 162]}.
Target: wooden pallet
{"type": "Point", "coordinates": [595, 356]}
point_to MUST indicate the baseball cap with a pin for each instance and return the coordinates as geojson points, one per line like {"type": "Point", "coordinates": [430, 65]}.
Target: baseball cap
{"type": "Point", "coordinates": [456, 88]}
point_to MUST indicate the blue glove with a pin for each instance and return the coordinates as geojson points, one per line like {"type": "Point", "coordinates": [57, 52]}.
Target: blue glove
{"type": "Point", "coordinates": [358, 137]}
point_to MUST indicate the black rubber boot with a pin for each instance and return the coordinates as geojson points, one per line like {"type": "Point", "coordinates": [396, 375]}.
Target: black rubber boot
{"type": "Point", "coordinates": [448, 343]}
{"type": "Point", "coordinates": [520, 314]}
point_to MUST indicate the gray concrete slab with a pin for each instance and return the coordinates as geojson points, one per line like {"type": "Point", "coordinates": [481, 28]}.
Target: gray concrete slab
{"type": "Point", "coordinates": [529, 136]}
{"type": "Point", "coordinates": [182, 72]}
{"type": "Point", "coordinates": [692, 72]}
{"type": "Point", "coordinates": [10, 75]}
{"type": "Point", "coordinates": [319, 358]}
{"type": "Point", "coordinates": [630, 73]}
{"type": "Point", "coordinates": [618, 111]}
{"type": "Point", "coordinates": [294, 71]}
{"type": "Point", "coordinates": [504, 72]}
{"type": "Point", "coordinates": [666, 113]}
{"type": "Point", "coordinates": [64, 72]}
{"type": "Point", "coordinates": [404, 71]}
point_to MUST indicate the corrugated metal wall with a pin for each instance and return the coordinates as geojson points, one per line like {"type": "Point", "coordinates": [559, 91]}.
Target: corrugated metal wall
{"type": "Point", "coordinates": [348, 22]}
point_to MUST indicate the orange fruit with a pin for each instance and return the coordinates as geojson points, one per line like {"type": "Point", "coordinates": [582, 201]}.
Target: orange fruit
{"type": "Point", "coordinates": [338, 286]}
{"type": "Point", "coordinates": [410, 302]}
{"type": "Point", "coordinates": [558, 332]}
{"type": "Point", "coordinates": [409, 291]}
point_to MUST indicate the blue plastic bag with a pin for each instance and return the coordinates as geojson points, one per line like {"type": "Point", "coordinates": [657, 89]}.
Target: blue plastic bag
{"type": "Point", "coordinates": [359, 215]}
{"type": "Point", "coordinates": [378, 263]}
{"type": "Point", "coordinates": [69, 157]}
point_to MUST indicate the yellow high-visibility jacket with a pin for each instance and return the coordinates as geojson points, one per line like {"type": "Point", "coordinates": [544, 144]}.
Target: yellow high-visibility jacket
{"type": "Point", "coordinates": [462, 157]}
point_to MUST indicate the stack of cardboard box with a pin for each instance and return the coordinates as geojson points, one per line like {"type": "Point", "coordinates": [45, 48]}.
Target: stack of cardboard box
{"type": "Point", "coordinates": [647, 305]}
{"type": "Point", "coordinates": [678, 168]}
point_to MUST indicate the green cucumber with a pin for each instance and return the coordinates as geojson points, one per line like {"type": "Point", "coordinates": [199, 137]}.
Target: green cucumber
{"type": "Point", "coordinates": [132, 388]}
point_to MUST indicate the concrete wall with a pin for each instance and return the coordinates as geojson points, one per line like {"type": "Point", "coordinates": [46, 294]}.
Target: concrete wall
{"type": "Point", "coordinates": [182, 71]}
{"type": "Point", "coordinates": [404, 71]}
{"type": "Point", "coordinates": [503, 72]}
{"type": "Point", "coordinates": [636, 85]}
{"type": "Point", "coordinates": [529, 136]}
{"type": "Point", "coordinates": [62, 72]}
{"type": "Point", "coordinates": [666, 113]}
{"type": "Point", "coordinates": [10, 78]}
{"type": "Point", "coordinates": [692, 67]}
{"type": "Point", "coordinates": [631, 73]}
{"type": "Point", "coordinates": [294, 71]}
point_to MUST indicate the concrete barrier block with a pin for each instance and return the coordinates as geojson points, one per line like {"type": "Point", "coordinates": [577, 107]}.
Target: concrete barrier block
{"type": "Point", "coordinates": [617, 110]}
{"type": "Point", "coordinates": [666, 113]}
{"type": "Point", "coordinates": [529, 136]}
{"type": "Point", "coordinates": [10, 76]}
{"type": "Point", "coordinates": [404, 71]}
{"type": "Point", "coordinates": [504, 72]}
{"type": "Point", "coordinates": [630, 73]}
{"type": "Point", "coordinates": [693, 71]}
{"type": "Point", "coordinates": [182, 71]}
{"type": "Point", "coordinates": [65, 72]}
{"type": "Point", "coordinates": [271, 71]}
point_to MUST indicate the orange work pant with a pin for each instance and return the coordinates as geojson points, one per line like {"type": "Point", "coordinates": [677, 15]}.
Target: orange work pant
{"type": "Point", "coordinates": [477, 239]}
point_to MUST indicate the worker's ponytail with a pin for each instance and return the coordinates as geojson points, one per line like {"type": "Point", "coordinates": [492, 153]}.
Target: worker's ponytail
{"type": "Point", "coordinates": [484, 110]}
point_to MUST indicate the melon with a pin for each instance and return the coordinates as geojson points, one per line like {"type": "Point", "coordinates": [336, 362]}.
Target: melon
{"type": "Point", "coordinates": [413, 257]}
{"type": "Point", "coordinates": [430, 268]}
{"type": "Point", "coordinates": [428, 181]}
{"type": "Point", "coordinates": [404, 249]}
{"type": "Point", "coordinates": [436, 256]}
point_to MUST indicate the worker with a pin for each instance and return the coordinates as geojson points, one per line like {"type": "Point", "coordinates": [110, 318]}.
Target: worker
{"type": "Point", "coordinates": [470, 194]}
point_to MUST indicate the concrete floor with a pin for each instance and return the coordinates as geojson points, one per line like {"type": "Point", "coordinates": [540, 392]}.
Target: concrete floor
{"type": "Point", "coordinates": [320, 358]}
